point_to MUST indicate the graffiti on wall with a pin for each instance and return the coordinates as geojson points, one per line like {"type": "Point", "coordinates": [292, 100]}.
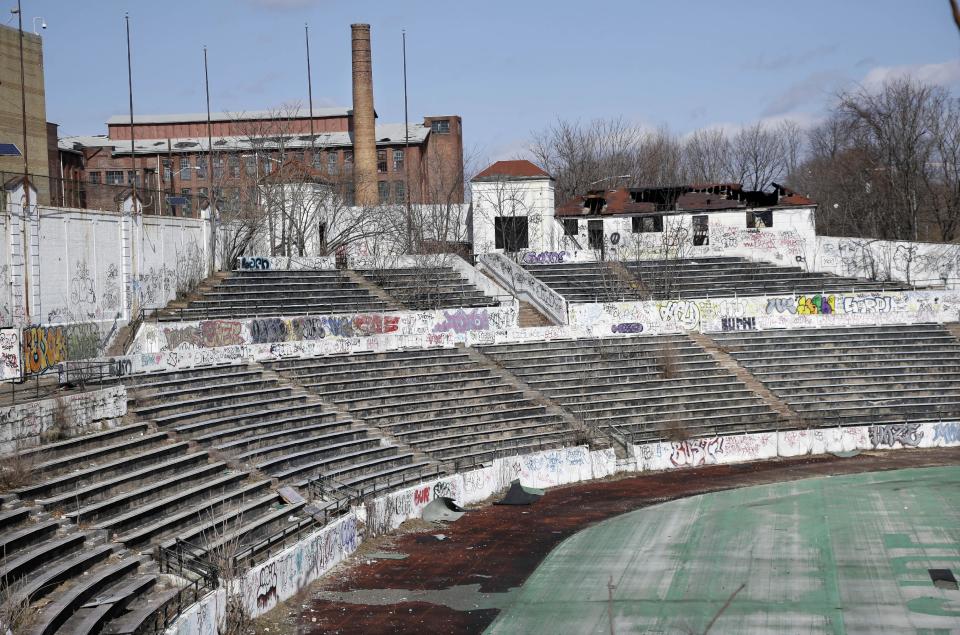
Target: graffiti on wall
{"type": "Point", "coordinates": [209, 333]}
{"type": "Point", "coordinates": [9, 353]}
{"type": "Point", "coordinates": [738, 324]}
{"type": "Point", "coordinates": [904, 434]}
{"type": "Point", "coordinates": [461, 321]}
{"type": "Point", "coordinates": [43, 347]}
{"type": "Point", "coordinates": [544, 257]}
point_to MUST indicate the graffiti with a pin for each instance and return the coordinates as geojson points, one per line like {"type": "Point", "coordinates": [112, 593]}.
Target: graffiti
{"type": "Point", "coordinates": [615, 238]}
{"type": "Point", "coordinates": [906, 434]}
{"type": "Point", "coordinates": [461, 321]}
{"type": "Point", "coordinates": [318, 328]}
{"type": "Point", "coordinates": [267, 586]}
{"type": "Point", "coordinates": [9, 353]}
{"type": "Point", "coordinates": [696, 452]}
{"type": "Point", "coordinates": [82, 286]}
{"type": "Point", "coordinates": [254, 263]}
{"type": "Point", "coordinates": [120, 367]}
{"type": "Point", "coordinates": [422, 496]}
{"type": "Point", "coordinates": [111, 291]}
{"type": "Point", "coordinates": [871, 304]}
{"type": "Point", "coordinates": [738, 324]}
{"type": "Point", "coordinates": [781, 305]}
{"type": "Point", "coordinates": [627, 327]}
{"type": "Point", "coordinates": [816, 305]}
{"type": "Point", "coordinates": [946, 432]}
{"type": "Point", "coordinates": [683, 313]}
{"type": "Point", "coordinates": [544, 257]}
{"type": "Point", "coordinates": [83, 341]}
{"type": "Point", "coordinates": [444, 489]}
{"type": "Point", "coordinates": [43, 348]}
{"type": "Point", "coordinates": [576, 456]}
{"type": "Point", "coordinates": [268, 330]}
{"type": "Point", "coordinates": [206, 334]}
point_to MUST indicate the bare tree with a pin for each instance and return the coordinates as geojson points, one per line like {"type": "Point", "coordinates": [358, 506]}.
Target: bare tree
{"type": "Point", "coordinates": [757, 156]}
{"type": "Point", "coordinates": [707, 156]}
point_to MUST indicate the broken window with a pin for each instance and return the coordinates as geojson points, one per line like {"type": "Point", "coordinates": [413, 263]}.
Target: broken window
{"type": "Point", "coordinates": [571, 227]}
{"type": "Point", "coordinates": [760, 220]}
{"type": "Point", "coordinates": [647, 224]}
{"type": "Point", "coordinates": [701, 233]}
{"type": "Point", "coordinates": [595, 234]}
{"type": "Point", "coordinates": [510, 233]}
{"type": "Point", "coordinates": [383, 190]}
{"type": "Point", "coordinates": [440, 126]}
{"type": "Point", "coordinates": [381, 161]}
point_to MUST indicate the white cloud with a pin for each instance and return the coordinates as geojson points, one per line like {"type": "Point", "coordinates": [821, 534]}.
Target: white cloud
{"type": "Point", "coordinates": [944, 74]}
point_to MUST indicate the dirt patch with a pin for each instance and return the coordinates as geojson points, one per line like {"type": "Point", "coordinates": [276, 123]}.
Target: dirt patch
{"type": "Point", "coordinates": [497, 547]}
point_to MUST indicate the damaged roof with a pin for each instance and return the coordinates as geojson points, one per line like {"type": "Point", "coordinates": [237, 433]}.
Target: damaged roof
{"type": "Point", "coordinates": [633, 201]}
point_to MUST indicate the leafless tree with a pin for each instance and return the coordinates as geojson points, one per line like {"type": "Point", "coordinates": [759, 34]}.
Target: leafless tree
{"type": "Point", "coordinates": [707, 156]}
{"type": "Point", "coordinates": [759, 154]}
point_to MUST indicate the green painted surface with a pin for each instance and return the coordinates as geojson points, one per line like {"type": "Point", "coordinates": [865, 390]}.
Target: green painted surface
{"type": "Point", "coordinates": [845, 554]}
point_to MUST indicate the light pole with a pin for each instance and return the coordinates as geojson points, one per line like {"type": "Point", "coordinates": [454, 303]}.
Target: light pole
{"type": "Point", "coordinates": [210, 198]}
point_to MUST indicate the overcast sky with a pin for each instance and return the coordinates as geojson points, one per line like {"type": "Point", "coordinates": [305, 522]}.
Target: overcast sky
{"type": "Point", "coordinates": [507, 67]}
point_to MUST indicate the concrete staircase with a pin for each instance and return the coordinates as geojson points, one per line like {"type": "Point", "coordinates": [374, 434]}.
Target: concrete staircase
{"type": "Point", "coordinates": [425, 288]}
{"type": "Point", "coordinates": [529, 317]}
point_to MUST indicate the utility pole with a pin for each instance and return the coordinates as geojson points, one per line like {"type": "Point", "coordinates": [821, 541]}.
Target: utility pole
{"type": "Point", "coordinates": [406, 149]}
{"type": "Point", "coordinates": [306, 32]}
{"type": "Point", "coordinates": [210, 207]}
{"type": "Point", "coordinates": [25, 208]}
{"type": "Point", "coordinates": [133, 154]}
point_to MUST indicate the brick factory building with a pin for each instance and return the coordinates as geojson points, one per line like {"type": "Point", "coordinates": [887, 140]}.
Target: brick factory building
{"type": "Point", "coordinates": [175, 171]}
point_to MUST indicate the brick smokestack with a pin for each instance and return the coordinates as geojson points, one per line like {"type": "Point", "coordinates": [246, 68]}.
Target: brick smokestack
{"type": "Point", "coordinates": [364, 134]}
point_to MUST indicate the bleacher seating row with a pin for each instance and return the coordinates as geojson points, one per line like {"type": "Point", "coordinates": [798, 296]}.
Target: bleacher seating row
{"type": "Point", "coordinates": [192, 467]}
{"type": "Point", "coordinates": [645, 388]}
{"type": "Point", "coordinates": [862, 375]}
{"type": "Point", "coordinates": [690, 278]}
{"type": "Point", "coordinates": [240, 294]}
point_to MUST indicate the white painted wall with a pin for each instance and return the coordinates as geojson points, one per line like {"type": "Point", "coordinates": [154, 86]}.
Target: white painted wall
{"type": "Point", "coordinates": [532, 198]}
{"type": "Point", "coordinates": [785, 243]}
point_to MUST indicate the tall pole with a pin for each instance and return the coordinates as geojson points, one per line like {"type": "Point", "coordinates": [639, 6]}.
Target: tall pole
{"type": "Point", "coordinates": [210, 208]}
{"type": "Point", "coordinates": [406, 149]}
{"type": "Point", "coordinates": [306, 32]}
{"type": "Point", "coordinates": [25, 210]}
{"type": "Point", "coordinates": [133, 154]}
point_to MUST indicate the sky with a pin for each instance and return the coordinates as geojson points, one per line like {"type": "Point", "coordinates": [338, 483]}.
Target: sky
{"type": "Point", "coordinates": [506, 67]}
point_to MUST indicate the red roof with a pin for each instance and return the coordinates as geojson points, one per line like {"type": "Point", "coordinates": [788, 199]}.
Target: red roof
{"type": "Point", "coordinates": [516, 169]}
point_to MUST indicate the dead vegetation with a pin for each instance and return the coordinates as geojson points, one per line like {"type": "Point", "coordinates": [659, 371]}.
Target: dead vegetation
{"type": "Point", "coordinates": [60, 422]}
{"type": "Point", "coordinates": [667, 363]}
{"type": "Point", "coordinates": [16, 469]}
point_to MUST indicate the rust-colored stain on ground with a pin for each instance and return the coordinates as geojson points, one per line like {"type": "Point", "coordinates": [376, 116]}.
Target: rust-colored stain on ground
{"type": "Point", "coordinates": [498, 547]}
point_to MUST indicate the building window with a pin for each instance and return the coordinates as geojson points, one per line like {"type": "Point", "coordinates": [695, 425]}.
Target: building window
{"type": "Point", "coordinates": [95, 178]}
{"type": "Point", "coordinates": [218, 168]}
{"type": "Point", "coordinates": [301, 156]}
{"type": "Point", "coordinates": [133, 177]}
{"type": "Point", "coordinates": [383, 189]}
{"type": "Point", "coordinates": [167, 169]}
{"type": "Point", "coordinates": [317, 160]}
{"type": "Point", "coordinates": [185, 169]}
{"type": "Point", "coordinates": [322, 235]}
{"type": "Point", "coordinates": [440, 126]}
{"type": "Point", "coordinates": [760, 220]}
{"type": "Point", "coordinates": [201, 167]}
{"type": "Point", "coordinates": [188, 206]}
{"type": "Point", "coordinates": [348, 161]}
{"type": "Point", "coordinates": [349, 194]}
{"type": "Point", "coordinates": [267, 165]}
{"type": "Point", "coordinates": [510, 232]}
{"type": "Point", "coordinates": [234, 165]}
{"type": "Point", "coordinates": [114, 177]}
{"type": "Point", "coordinates": [250, 164]}
{"type": "Point", "coordinates": [647, 224]}
{"type": "Point", "coordinates": [701, 231]}
{"type": "Point", "coordinates": [381, 161]}
{"type": "Point", "coordinates": [595, 234]}
{"type": "Point", "coordinates": [571, 227]}
{"type": "Point", "coordinates": [398, 160]}
{"type": "Point", "coordinates": [332, 162]}
{"type": "Point", "coordinates": [399, 192]}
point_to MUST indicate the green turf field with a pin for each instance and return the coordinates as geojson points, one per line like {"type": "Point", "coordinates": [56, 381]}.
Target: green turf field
{"type": "Point", "coordinates": [846, 554]}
